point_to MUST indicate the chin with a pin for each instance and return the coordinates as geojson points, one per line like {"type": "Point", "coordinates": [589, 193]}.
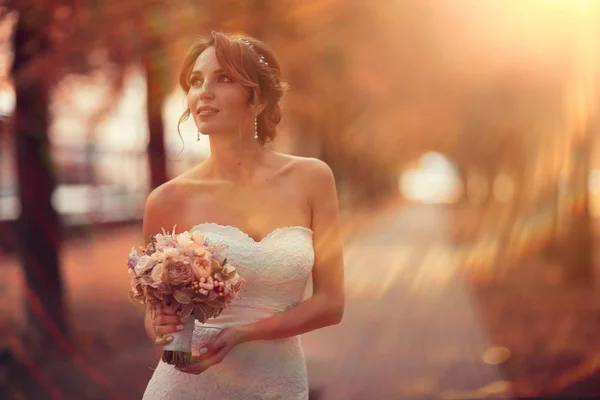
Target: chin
{"type": "Point", "coordinates": [205, 130]}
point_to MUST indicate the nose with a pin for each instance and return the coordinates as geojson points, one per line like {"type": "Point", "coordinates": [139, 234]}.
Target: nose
{"type": "Point", "coordinates": [206, 92]}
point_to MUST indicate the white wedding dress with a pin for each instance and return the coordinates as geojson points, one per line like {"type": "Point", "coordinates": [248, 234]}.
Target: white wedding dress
{"type": "Point", "coordinates": [277, 270]}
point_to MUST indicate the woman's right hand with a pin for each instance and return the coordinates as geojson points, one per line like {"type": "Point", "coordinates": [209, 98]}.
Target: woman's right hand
{"type": "Point", "coordinates": [165, 322]}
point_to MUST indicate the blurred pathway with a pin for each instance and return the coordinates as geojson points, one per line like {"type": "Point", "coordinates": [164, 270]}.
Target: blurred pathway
{"type": "Point", "coordinates": [411, 328]}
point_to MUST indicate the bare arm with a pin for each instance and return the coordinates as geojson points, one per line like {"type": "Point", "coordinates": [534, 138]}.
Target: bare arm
{"type": "Point", "coordinates": [156, 217]}
{"type": "Point", "coordinates": [325, 307]}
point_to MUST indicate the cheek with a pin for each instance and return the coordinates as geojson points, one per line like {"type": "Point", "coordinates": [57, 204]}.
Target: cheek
{"type": "Point", "coordinates": [237, 96]}
{"type": "Point", "coordinates": [235, 101]}
{"type": "Point", "coordinates": [192, 98]}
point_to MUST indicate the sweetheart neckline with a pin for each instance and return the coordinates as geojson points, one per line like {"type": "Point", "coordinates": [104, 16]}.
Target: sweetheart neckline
{"type": "Point", "coordinates": [268, 235]}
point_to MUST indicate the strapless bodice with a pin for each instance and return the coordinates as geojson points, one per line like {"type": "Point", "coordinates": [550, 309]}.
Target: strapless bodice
{"type": "Point", "coordinates": [276, 270]}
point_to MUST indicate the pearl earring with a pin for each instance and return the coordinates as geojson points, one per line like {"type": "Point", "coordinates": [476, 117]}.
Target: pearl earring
{"type": "Point", "coordinates": [255, 127]}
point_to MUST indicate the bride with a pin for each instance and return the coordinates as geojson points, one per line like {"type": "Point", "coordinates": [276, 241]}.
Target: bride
{"type": "Point", "coordinates": [278, 216]}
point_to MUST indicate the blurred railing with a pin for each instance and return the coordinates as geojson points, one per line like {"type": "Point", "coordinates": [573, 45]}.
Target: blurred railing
{"type": "Point", "coordinates": [99, 185]}
{"type": "Point", "coordinates": [95, 186]}
{"type": "Point", "coordinates": [86, 192]}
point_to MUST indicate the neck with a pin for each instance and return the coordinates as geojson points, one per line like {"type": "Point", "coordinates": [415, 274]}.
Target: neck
{"type": "Point", "coordinates": [235, 158]}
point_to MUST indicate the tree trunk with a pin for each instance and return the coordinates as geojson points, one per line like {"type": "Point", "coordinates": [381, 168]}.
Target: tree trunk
{"type": "Point", "coordinates": [39, 226]}
{"type": "Point", "coordinates": [156, 82]}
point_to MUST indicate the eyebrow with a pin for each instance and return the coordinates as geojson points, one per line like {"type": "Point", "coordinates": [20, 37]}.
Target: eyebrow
{"type": "Point", "coordinates": [198, 72]}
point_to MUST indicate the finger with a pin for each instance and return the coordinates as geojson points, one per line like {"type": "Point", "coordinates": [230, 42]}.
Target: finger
{"type": "Point", "coordinates": [216, 345]}
{"type": "Point", "coordinates": [212, 348]}
{"type": "Point", "coordinates": [197, 371]}
{"type": "Point", "coordinates": [158, 311]}
{"type": "Point", "coordinates": [195, 367]}
{"type": "Point", "coordinates": [208, 360]}
{"type": "Point", "coordinates": [161, 330]}
{"type": "Point", "coordinates": [220, 355]}
{"type": "Point", "coordinates": [166, 320]}
{"type": "Point", "coordinates": [200, 357]}
{"type": "Point", "coordinates": [163, 340]}
{"type": "Point", "coordinates": [167, 311]}
{"type": "Point", "coordinates": [198, 363]}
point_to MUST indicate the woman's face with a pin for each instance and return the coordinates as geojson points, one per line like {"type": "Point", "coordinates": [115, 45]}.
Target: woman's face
{"type": "Point", "coordinates": [216, 102]}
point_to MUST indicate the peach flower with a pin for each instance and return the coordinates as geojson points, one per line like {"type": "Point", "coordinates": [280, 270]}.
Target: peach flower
{"type": "Point", "coordinates": [177, 273]}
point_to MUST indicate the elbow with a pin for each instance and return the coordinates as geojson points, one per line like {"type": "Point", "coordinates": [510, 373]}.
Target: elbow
{"type": "Point", "coordinates": [335, 313]}
{"type": "Point", "coordinates": [336, 317]}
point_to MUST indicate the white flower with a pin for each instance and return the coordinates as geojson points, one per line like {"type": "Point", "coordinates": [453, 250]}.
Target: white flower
{"type": "Point", "coordinates": [228, 268]}
{"type": "Point", "coordinates": [157, 272]}
{"type": "Point", "coordinates": [198, 238]}
{"type": "Point", "coordinates": [158, 256]}
{"type": "Point", "coordinates": [144, 263]}
{"type": "Point", "coordinates": [132, 259]}
{"type": "Point", "coordinates": [202, 252]}
{"type": "Point", "coordinates": [163, 241]}
{"type": "Point", "coordinates": [160, 239]}
{"type": "Point", "coordinates": [184, 240]}
{"type": "Point", "coordinates": [133, 254]}
{"type": "Point", "coordinates": [170, 252]}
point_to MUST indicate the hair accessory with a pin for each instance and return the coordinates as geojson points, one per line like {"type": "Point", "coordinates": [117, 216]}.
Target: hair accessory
{"type": "Point", "coordinates": [261, 59]}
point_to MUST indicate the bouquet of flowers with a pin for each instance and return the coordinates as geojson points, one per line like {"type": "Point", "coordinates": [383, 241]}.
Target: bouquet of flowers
{"type": "Point", "coordinates": [188, 274]}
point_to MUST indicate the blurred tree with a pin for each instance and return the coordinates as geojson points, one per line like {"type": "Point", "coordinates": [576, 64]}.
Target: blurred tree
{"type": "Point", "coordinates": [39, 227]}
{"type": "Point", "coordinates": [158, 83]}
{"type": "Point", "coordinates": [330, 102]}
{"type": "Point", "coordinates": [52, 41]}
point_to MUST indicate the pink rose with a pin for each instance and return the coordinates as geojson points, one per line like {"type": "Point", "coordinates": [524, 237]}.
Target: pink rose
{"type": "Point", "coordinates": [177, 273]}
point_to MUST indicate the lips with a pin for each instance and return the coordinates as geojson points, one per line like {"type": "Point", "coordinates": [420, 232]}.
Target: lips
{"type": "Point", "coordinates": [206, 110]}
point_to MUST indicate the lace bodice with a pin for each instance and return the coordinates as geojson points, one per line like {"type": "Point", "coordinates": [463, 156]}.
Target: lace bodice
{"type": "Point", "coordinates": [276, 268]}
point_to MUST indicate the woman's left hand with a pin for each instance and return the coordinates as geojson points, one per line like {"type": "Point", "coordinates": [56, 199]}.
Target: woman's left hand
{"type": "Point", "coordinates": [214, 352]}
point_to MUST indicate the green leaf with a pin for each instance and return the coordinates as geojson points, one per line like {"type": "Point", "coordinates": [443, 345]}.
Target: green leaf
{"type": "Point", "coordinates": [199, 313]}
{"type": "Point", "coordinates": [187, 310]}
{"type": "Point", "coordinates": [183, 296]}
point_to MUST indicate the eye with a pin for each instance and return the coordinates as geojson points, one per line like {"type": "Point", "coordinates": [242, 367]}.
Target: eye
{"type": "Point", "coordinates": [224, 78]}
{"type": "Point", "coordinates": [195, 81]}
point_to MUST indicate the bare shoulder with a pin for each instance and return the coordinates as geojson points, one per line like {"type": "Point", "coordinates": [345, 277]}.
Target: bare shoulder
{"type": "Point", "coordinates": [317, 169]}
{"type": "Point", "coordinates": [307, 167]}
{"type": "Point", "coordinates": [314, 176]}
{"type": "Point", "coordinates": [162, 204]}
{"type": "Point", "coordinates": [164, 195]}
{"type": "Point", "coordinates": [314, 173]}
